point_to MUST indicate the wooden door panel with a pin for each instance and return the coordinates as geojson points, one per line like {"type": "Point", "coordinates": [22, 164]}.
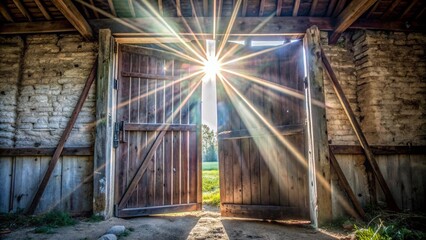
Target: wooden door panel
{"type": "Point", "coordinates": [261, 177]}
{"type": "Point", "coordinates": [154, 106]}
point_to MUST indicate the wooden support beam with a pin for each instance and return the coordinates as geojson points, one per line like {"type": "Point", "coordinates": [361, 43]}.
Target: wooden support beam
{"type": "Point", "coordinates": [112, 8]}
{"type": "Point", "coordinates": [330, 8]}
{"type": "Point", "coordinates": [339, 7]}
{"type": "Point", "coordinates": [390, 9]}
{"type": "Point", "coordinates": [43, 10]}
{"type": "Point", "coordinates": [261, 7]}
{"type": "Point", "coordinates": [349, 15]}
{"type": "Point", "coordinates": [378, 150]}
{"type": "Point", "coordinates": [345, 185]}
{"type": "Point", "coordinates": [408, 9]}
{"type": "Point", "coordinates": [36, 27]}
{"type": "Point", "coordinates": [358, 132]}
{"type": "Point", "coordinates": [219, 8]}
{"type": "Point", "coordinates": [296, 7]}
{"type": "Point", "coordinates": [62, 141]}
{"type": "Point", "coordinates": [94, 11]}
{"type": "Point", "coordinates": [160, 7]}
{"type": "Point", "coordinates": [205, 8]}
{"type": "Point", "coordinates": [178, 9]}
{"type": "Point", "coordinates": [141, 170]}
{"type": "Point", "coordinates": [243, 8]}
{"type": "Point", "coordinates": [22, 9]}
{"type": "Point", "coordinates": [74, 151]}
{"type": "Point", "coordinates": [279, 7]}
{"type": "Point", "coordinates": [71, 13]}
{"type": "Point", "coordinates": [5, 13]}
{"type": "Point", "coordinates": [132, 8]}
{"type": "Point", "coordinates": [313, 7]}
{"type": "Point", "coordinates": [372, 9]}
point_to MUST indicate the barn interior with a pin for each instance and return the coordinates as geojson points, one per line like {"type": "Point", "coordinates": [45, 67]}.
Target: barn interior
{"type": "Point", "coordinates": [321, 106]}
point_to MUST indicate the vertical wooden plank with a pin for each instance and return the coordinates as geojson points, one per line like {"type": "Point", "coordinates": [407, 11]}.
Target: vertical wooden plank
{"type": "Point", "coordinates": [393, 180]}
{"type": "Point", "coordinates": [418, 178]}
{"type": "Point", "coordinates": [176, 100]}
{"type": "Point", "coordinates": [184, 139]}
{"type": "Point", "coordinates": [284, 175]}
{"type": "Point", "coordinates": [194, 118]}
{"type": "Point", "coordinates": [159, 178]}
{"type": "Point", "coordinates": [168, 141]}
{"type": "Point", "coordinates": [254, 172]}
{"type": "Point", "coordinates": [51, 197]}
{"type": "Point", "coordinates": [151, 170]}
{"type": "Point", "coordinates": [229, 181]}
{"type": "Point", "coordinates": [236, 168]}
{"type": "Point", "coordinates": [6, 169]}
{"type": "Point", "coordinates": [27, 169]}
{"type": "Point", "coordinates": [245, 171]}
{"type": "Point", "coordinates": [405, 178]}
{"type": "Point", "coordinates": [264, 174]}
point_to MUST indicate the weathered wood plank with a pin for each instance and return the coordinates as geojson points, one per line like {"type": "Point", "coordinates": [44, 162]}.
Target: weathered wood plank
{"type": "Point", "coordinates": [261, 212]}
{"type": "Point", "coordinates": [43, 10]}
{"type": "Point", "coordinates": [51, 198]}
{"type": "Point", "coordinates": [135, 212]}
{"type": "Point", "coordinates": [159, 127]}
{"type": "Point", "coordinates": [247, 133]}
{"type": "Point", "coordinates": [147, 76]}
{"type": "Point", "coordinates": [70, 11]}
{"type": "Point", "coordinates": [5, 13]}
{"type": "Point", "coordinates": [23, 9]}
{"type": "Point", "coordinates": [378, 150]}
{"type": "Point", "coordinates": [73, 151]}
{"type": "Point", "coordinates": [6, 174]}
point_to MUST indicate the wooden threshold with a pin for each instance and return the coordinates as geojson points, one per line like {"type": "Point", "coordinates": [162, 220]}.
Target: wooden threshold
{"type": "Point", "coordinates": [263, 212]}
{"type": "Point", "coordinates": [135, 212]}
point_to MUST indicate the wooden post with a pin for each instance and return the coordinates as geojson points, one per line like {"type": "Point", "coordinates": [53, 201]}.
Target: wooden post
{"type": "Point", "coordinates": [358, 132]}
{"type": "Point", "coordinates": [62, 141]}
{"type": "Point", "coordinates": [103, 161]}
{"type": "Point", "coordinates": [319, 164]}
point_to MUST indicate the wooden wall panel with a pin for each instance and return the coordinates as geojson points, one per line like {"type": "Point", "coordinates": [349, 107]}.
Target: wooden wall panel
{"type": "Point", "coordinates": [70, 188]}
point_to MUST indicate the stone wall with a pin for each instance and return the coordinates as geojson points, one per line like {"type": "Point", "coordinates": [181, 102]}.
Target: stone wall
{"type": "Point", "coordinates": [45, 76]}
{"type": "Point", "coordinates": [383, 75]}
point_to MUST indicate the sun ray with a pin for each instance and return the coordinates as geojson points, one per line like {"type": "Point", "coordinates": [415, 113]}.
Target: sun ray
{"type": "Point", "coordinates": [229, 28]}
{"type": "Point", "coordinates": [258, 53]}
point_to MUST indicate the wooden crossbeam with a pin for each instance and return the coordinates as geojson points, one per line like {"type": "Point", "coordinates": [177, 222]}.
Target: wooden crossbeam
{"type": "Point", "coordinates": [43, 10]}
{"type": "Point", "coordinates": [37, 27]}
{"type": "Point", "coordinates": [390, 9]}
{"type": "Point", "coordinates": [71, 13]}
{"type": "Point", "coordinates": [408, 9]}
{"type": "Point", "coordinates": [73, 151]}
{"type": "Point", "coordinates": [22, 9]}
{"type": "Point", "coordinates": [112, 8]}
{"type": "Point", "coordinates": [296, 7]}
{"type": "Point", "coordinates": [62, 141]}
{"type": "Point", "coordinates": [349, 15]}
{"type": "Point", "coordinates": [345, 185]}
{"type": "Point", "coordinates": [358, 132]}
{"type": "Point", "coordinates": [5, 13]}
{"type": "Point", "coordinates": [141, 170]}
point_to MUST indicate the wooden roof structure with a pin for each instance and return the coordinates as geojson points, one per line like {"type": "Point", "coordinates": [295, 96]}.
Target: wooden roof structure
{"type": "Point", "coordinates": [284, 16]}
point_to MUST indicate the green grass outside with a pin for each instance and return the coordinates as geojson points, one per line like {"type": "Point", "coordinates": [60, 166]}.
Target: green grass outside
{"type": "Point", "coordinates": [210, 166]}
{"type": "Point", "coordinates": [211, 193]}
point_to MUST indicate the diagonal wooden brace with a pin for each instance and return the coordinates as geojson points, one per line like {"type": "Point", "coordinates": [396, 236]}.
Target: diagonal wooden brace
{"type": "Point", "coordinates": [63, 139]}
{"type": "Point", "coordinates": [360, 135]}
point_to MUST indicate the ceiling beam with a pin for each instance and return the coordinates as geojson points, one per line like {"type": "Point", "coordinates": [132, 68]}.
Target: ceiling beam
{"type": "Point", "coordinates": [71, 13]}
{"type": "Point", "coordinates": [5, 13]}
{"type": "Point", "coordinates": [407, 10]}
{"type": "Point", "coordinates": [112, 8]}
{"type": "Point", "coordinates": [349, 15]}
{"type": "Point", "coordinates": [131, 8]}
{"type": "Point", "coordinates": [313, 7]}
{"type": "Point", "coordinates": [330, 8]}
{"type": "Point", "coordinates": [261, 8]}
{"type": "Point", "coordinates": [178, 9]}
{"type": "Point", "coordinates": [94, 12]}
{"type": "Point", "coordinates": [43, 10]}
{"type": "Point", "coordinates": [23, 10]}
{"type": "Point", "coordinates": [279, 7]}
{"type": "Point", "coordinates": [391, 8]}
{"type": "Point", "coordinates": [244, 8]}
{"type": "Point", "coordinates": [205, 8]}
{"type": "Point", "coordinates": [296, 7]}
{"type": "Point", "coordinates": [277, 26]}
{"type": "Point", "coordinates": [340, 5]}
{"type": "Point", "coordinates": [373, 9]}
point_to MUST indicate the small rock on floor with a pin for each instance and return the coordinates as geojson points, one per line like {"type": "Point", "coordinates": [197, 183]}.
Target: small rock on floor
{"type": "Point", "coordinates": [117, 230]}
{"type": "Point", "coordinates": [108, 237]}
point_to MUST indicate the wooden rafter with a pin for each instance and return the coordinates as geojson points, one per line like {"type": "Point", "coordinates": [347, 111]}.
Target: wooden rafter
{"type": "Point", "coordinates": [219, 7]}
{"type": "Point", "coordinates": [391, 8]}
{"type": "Point", "coordinates": [178, 9]}
{"type": "Point", "coordinates": [330, 8]}
{"type": "Point", "coordinates": [205, 8]}
{"type": "Point", "coordinates": [62, 141]}
{"type": "Point", "coordinates": [23, 10]}
{"type": "Point", "coordinates": [43, 10]}
{"type": "Point", "coordinates": [261, 7]}
{"type": "Point", "coordinates": [296, 7]}
{"type": "Point", "coordinates": [94, 12]}
{"type": "Point", "coordinates": [408, 9]}
{"type": "Point", "coordinates": [349, 15]}
{"type": "Point", "coordinates": [420, 13]}
{"type": "Point", "coordinates": [339, 7]}
{"type": "Point", "coordinates": [71, 13]}
{"type": "Point", "coordinates": [372, 9]}
{"type": "Point", "coordinates": [358, 132]}
{"type": "Point", "coordinates": [112, 8]}
{"type": "Point", "coordinates": [160, 7]}
{"type": "Point", "coordinates": [131, 8]}
{"type": "Point", "coordinates": [5, 13]}
{"type": "Point", "coordinates": [313, 7]}
{"type": "Point", "coordinates": [279, 7]}
{"type": "Point", "coordinates": [244, 8]}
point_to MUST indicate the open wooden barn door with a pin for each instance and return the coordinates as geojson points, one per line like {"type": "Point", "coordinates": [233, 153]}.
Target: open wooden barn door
{"type": "Point", "coordinates": [263, 171]}
{"type": "Point", "coordinates": [157, 136]}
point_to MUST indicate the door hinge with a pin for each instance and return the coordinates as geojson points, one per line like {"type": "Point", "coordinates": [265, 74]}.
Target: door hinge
{"type": "Point", "coordinates": [116, 139]}
{"type": "Point", "coordinates": [115, 84]}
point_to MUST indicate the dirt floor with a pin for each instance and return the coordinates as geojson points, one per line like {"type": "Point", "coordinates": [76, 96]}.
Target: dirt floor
{"type": "Point", "coordinates": [206, 224]}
